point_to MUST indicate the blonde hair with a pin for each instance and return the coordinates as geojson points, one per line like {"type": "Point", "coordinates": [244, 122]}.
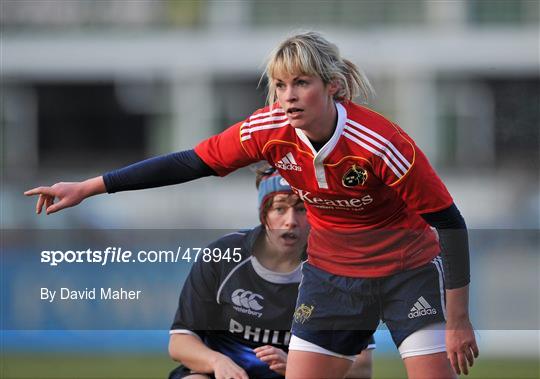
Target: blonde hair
{"type": "Point", "coordinates": [311, 54]}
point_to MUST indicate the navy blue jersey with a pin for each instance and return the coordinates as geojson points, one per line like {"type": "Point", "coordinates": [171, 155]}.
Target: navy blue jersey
{"type": "Point", "coordinates": [235, 307]}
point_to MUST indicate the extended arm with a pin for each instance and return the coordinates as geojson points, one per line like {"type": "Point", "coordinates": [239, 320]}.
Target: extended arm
{"type": "Point", "coordinates": [165, 170]}
{"type": "Point", "coordinates": [160, 171]}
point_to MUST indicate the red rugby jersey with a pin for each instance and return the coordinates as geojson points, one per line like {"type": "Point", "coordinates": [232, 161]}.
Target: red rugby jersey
{"type": "Point", "coordinates": [364, 189]}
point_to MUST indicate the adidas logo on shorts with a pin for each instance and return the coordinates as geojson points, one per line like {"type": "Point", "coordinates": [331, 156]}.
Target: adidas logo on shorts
{"type": "Point", "coordinates": [422, 308]}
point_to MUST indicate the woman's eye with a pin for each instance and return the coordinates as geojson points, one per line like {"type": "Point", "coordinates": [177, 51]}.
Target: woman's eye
{"type": "Point", "coordinates": [302, 82]}
{"type": "Point", "coordinates": [280, 85]}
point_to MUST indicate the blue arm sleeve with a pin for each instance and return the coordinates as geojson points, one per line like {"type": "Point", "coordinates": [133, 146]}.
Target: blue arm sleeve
{"type": "Point", "coordinates": [160, 171]}
{"type": "Point", "coordinates": [454, 243]}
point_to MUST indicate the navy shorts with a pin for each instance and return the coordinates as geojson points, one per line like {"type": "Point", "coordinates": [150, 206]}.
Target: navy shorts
{"type": "Point", "coordinates": [340, 313]}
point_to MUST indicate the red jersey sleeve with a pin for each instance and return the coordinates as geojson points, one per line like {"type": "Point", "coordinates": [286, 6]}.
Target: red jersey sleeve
{"type": "Point", "coordinates": [404, 167]}
{"type": "Point", "coordinates": [226, 152]}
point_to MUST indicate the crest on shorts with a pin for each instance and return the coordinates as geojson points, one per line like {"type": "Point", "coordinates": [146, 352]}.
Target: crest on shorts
{"type": "Point", "coordinates": [355, 176]}
{"type": "Point", "coordinates": [303, 313]}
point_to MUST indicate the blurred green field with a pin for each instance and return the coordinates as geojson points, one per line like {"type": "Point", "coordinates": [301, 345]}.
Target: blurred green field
{"type": "Point", "coordinates": [145, 366]}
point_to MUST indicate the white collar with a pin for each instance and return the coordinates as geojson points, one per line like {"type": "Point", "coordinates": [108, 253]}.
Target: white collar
{"type": "Point", "coordinates": [293, 276]}
{"type": "Point", "coordinates": [329, 145]}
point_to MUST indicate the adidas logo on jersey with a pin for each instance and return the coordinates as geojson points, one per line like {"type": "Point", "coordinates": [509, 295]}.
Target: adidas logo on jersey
{"type": "Point", "coordinates": [422, 308]}
{"type": "Point", "coordinates": [288, 163]}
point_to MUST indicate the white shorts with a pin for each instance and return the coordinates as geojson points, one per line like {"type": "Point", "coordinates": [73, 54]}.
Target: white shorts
{"type": "Point", "coordinates": [299, 344]}
{"type": "Point", "coordinates": [428, 340]}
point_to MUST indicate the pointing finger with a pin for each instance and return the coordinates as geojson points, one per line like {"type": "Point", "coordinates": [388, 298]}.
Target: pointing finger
{"type": "Point", "coordinates": [40, 191]}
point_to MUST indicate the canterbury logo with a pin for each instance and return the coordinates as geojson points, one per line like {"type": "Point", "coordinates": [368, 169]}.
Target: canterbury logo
{"type": "Point", "coordinates": [422, 308]}
{"type": "Point", "coordinates": [288, 163]}
{"type": "Point", "coordinates": [247, 299]}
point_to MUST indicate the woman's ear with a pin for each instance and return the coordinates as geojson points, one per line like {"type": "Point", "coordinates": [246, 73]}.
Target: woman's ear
{"type": "Point", "coordinates": [333, 87]}
{"type": "Point", "coordinates": [262, 219]}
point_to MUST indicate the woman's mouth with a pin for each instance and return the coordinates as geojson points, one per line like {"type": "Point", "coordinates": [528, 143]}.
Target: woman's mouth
{"type": "Point", "coordinates": [289, 237]}
{"type": "Point", "coordinates": [294, 112]}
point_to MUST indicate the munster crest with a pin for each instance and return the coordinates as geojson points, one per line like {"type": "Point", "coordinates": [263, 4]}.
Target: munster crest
{"type": "Point", "coordinates": [303, 313]}
{"type": "Point", "coordinates": [355, 176]}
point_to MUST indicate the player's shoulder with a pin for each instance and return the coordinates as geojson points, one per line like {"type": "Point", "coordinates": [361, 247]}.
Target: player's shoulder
{"type": "Point", "coordinates": [371, 122]}
{"type": "Point", "coordinates": [265, 112]}
{"type": "Point", "coordinates": [264, 122]}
